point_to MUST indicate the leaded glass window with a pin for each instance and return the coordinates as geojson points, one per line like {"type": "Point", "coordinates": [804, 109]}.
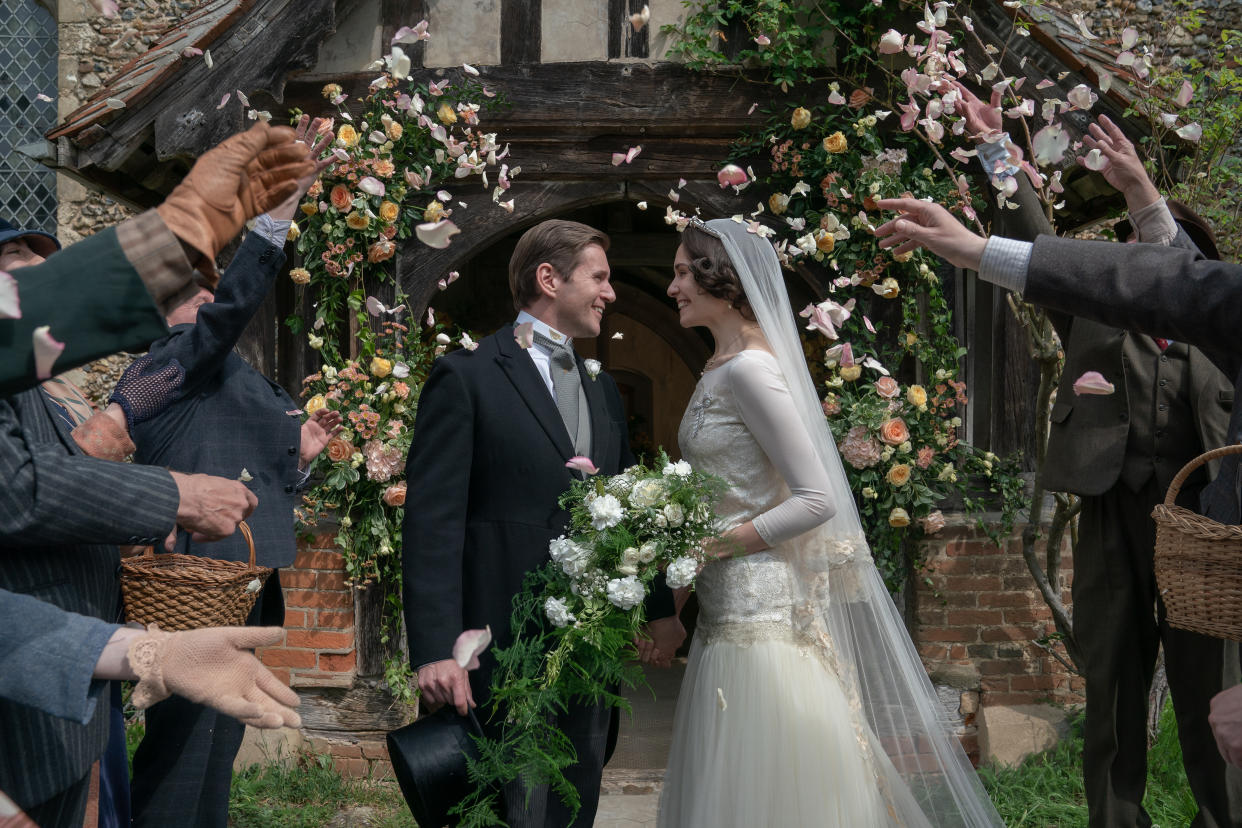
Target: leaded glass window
{"type": "Point", "coordinates": [28, 50]}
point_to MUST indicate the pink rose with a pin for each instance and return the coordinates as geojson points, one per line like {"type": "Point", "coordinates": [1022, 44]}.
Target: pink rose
{"type": "Point", "coordinates": [887, 387]}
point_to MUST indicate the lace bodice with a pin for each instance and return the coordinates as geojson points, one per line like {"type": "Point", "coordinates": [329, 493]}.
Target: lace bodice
{"type": "Point", "coordinates": [741, 426]}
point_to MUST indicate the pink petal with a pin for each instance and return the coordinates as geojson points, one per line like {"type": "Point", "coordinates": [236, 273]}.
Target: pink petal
{"type": "Point", "coordinates": [847, 355]}
{"type": "Point", "coordinates": [524, 335]}
{"type": "Point", "coordinates": [731, 175]}
{"type": "Point", "coordinates": [46, 349]}
{"type": "Point", "coordinates": [1093, 382]}
{"type": "Point", "coordinates": [891, 43]}
{"type": "Point", "coordinates": [1129, 36]}
{"type": "Point", "coordinates": [582, 464]}
{"type": "Point", "coordinates": [431, 317]}
{"type": "Point", "coordinates": [241, 96]}
{"type": "Point", "coordinates": [374, 306]}
{"type": "Point", "coordinates": [108, 8]}
{"type": "Point", "coordinates": [407, 34]}
{"type": "Point", "coordinates": [632, 153]}
{"type": "Point", "coordinates": [191, 51]}
{"type": "Point", "coordinates": [618, 158]}
{"type": "Point", "coordinates": [868, 325]}
{"type": "Point", "coordinates": [1185, 94]}
{"type": "Point", "coordinates": [10, 307]}
{"type": "Point", "coordinates": [763, 40]}
{"type": "Point", "coordinates": [836, 98]}
{"type": "Point", "coordinates": [438, 234]}
{"type": "Point", "coordinates": [1044, 84]}
{"type": "Point", "coordinates": [752, 109]}
{"type": "Point", "coordinates": [224, 100]}
{"type": "Point", "coordinates": [44, 98]}
{"type": "Point", "coordinates": [469, 646]}
{"type": "Point", "coordinates": [371, 186]}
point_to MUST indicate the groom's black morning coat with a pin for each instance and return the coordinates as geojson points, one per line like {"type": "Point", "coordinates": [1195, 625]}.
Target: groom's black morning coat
{"type": "Point", "coordinates": [485, 472]}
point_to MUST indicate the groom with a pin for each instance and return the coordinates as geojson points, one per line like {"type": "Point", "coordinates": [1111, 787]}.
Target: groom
{"type": "Point", "coordinates": [495, 428]}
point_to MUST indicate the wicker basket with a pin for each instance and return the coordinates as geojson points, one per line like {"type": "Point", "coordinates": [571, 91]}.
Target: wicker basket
{"type": "Point", "coordinates": [1199, 562]}
{"type": "Point", "coordinates": [186, 592]}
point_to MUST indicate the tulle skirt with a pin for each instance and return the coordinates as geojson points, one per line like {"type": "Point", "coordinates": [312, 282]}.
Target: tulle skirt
{"type": "Point", "coordinates": [764, 736]}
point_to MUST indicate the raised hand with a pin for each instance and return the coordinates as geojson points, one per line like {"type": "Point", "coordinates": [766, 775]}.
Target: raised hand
{"type": "Point", "coordinates": [1124, 169]}
{"type": "Point", "coordinates": [923, 224]}
{"type": "Point", "coordinates": [210, 507]}
{"type": "Point", "coordinates": [317, 135]}
{"type": "Point", "coordinates": [321, 427]}
{"type": "Point", "coordinates": [983, 120]}
{"type": "Point", "coordinates": [237, 180]}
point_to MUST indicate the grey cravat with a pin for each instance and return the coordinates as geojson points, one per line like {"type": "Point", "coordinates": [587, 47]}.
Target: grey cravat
{"type": "Point", "coordinates": [567, 387]}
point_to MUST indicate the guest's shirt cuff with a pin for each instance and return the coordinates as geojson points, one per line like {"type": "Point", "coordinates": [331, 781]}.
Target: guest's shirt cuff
{"type": "Point", "coordinates": [1005, 262]}
{"type": "Point", "coordinates": [1154, 223]}
{"type": "Point", "coordinates": [158, 258]}
{"type": "Point", "coordinates": [275, 231]}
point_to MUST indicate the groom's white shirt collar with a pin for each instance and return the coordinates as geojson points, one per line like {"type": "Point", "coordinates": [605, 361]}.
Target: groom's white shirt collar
{"type": "Point", "coordinates": [539, 354]}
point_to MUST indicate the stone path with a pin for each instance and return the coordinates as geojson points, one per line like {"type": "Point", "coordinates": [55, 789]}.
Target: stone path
{"type": "Point", "coordinates": [622, 810]}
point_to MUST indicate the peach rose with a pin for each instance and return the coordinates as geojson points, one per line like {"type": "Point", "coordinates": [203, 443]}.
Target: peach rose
{"type": "Point", "coordinates": [899, 474]}
{"type": "Point", "coordinates": [898, 518]}
{"type": "Point", "coordinates": [887, 387]}
{"type": "Point", "coordinates": [339, 450]}
{"type": "Point", "coordinates": [894, 432]}
{"type": "Point", "coordinates": [341, 197]}
{"type": "Point", "coordinates": [389, 211]}
{"type": "Point", "coordinates": [381, 251]}
{"type": "Point", "coordinates": [384, 168]}
{"type": "Point", "coordinates": [801, 118]}
{"type": "Point", "coordinates": [933, 523]}
{"type": "Point", "coordinates": [380, 367]}
{"type": "Point", "coordinates": [394, 495]}
{"type": "Point", "coordinates": [357, 221]}
{"type": "Point", "coordinates": [836, 143]}
{"type": "Point", "coordinates": [300, 276]}
{"type": "Point", "coordinates": [394, 130]}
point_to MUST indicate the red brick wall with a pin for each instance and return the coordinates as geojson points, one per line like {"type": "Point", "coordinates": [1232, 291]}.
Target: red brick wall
{"type": "Point", "coordinates": [982, 610]}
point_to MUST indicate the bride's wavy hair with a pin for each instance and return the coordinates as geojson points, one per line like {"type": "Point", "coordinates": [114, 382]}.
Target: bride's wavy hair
{"type": "Point", "coordinates": [713, 270]}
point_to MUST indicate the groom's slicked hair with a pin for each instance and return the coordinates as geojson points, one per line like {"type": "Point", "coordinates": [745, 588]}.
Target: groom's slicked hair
{"type": "Point", "coordinates": [557, 242]}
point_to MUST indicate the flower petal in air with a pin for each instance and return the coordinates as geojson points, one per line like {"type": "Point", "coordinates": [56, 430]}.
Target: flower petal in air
{"type": "Point", "coordinates": [582, 464]}
{"type": "Point", "coordinates": [371, 186]}
{"type": "Point", "coordinates": [731, 175]}
{"type": "Point", "coordinates": [1093, 382]}
{"type": "Point", "coordinates": [1185, 94]}
{"type": "Point", "coordinates": [763, 40]}
{"type": "Point", "coordinates": [524, 335]}
{"type": "Point", "coordinates": [1050, 144]}
{"type": "Point", "coordinates": [891, 42]}
{"type": "Point", "coordinates": [108, 8]}
{"type": "Point", "coordinates": [1191, 132]}
{"type": "Point", "coordinates": [640, 19]}
{"type": "Point", "coordinates": [437, 234]}
{"type": "Point", "coordinates": [469, 646]}
{"type": "Point", "coordinates": [1082, 97]}
{"type": "Point", "coordinates": [10, 307]}
{"type": "Point", "coordinates": [46, 350]}
{"type": "Point", "coordinates": [412, 34]}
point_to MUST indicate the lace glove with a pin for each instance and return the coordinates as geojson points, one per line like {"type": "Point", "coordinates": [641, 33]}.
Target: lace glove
{"type": "Point", "coordinates": [102, 437]}
{"type": "Point", "coordinates": [147, 388]}
{"type": "Point", "coordinates": [244, 176]}
{"type": "Point", "coordinates": [212, 667]}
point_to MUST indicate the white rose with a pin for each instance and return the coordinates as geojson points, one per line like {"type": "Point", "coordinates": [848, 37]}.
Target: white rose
{"type": "Point", "coordinates": [647, 493]}
{"type": "Point", "coordinates": [593, 367]}
{"type": "Point", "coordinates": [400, 370]}
{"type": "Point", "coordinates": [679, 469]}
{"type": "Point", "coordinates": [660, 520]}
{"type": "Point", "coordinates": [625, 593]}
{"type": "Point", "coordinates": [631, 556]}
{"type": "Point", "coordinates": [674, 514]}
{"type": "Point", "coordinates": [648, 551]}
{"type": "Point", "coordinates": [558, 612]}
{"type": "Point", "coordinates": [681, 572]}
{"type": "Point", "coordinates": [627, 569]}
{"type": "Point", "coordinates": [606, 511]}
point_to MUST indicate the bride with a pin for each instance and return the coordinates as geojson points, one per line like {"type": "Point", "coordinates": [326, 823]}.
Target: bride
{"type": "Point", "coordinates": [804, 703]}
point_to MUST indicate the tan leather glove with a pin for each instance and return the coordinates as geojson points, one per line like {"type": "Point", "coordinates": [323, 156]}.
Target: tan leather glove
{"type": "Point", "coordinates": [101, 436]}
{"type": "Point", "coordinates": [240, 178]}
{"type": "Point", "coordinates": [213, 667]}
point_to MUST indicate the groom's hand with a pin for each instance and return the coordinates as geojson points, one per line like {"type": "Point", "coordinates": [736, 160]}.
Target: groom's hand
{"type": "Point", "coordinates": [666, 636]}
{"type": "Point", "coordinates": [445, 682]}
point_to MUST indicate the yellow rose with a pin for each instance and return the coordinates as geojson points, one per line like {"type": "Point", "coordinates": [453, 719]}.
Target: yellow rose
{"type": "Point", "coordinates": [300, 276]}
{"type": "Point", "coordinates": [825, 242]}
{"type": "Point", "coordinates": [346, 135]}
{"type": "Point", "coordinates": [887, 288]}
{"type": "Point", "coordinates": [446, 115]}
{"type": "Point", "coordinates": [356, 221]}
{"type": "Point", "coordinates": [394, 131]}
{"type": "Point", "coordinates": [836, 143]}
{"type": "Point", "coordinates": [778, 202]}
{"type": "Point", "coordinates": [849, 373]}
{"type": "Point", "coordinates": [912, 339]}
{"type": "Point", "coordinates": [801, 118]}
{"type": "Point", "coordinates": [433, 212]}
{"type": "Point", "coordinates": [916, 395]}
{"type": "Point", "coordinates": [331, 90]}
{"type": "Point", "coordinates": [315, 403]}
{"type": "Point", "coordinates": [310, 208]}
{"type": "Point", "coordinates": [380, 367]}
{"type": "Point", "coordinates": [389, 211]}
{"type": "Point", "coordinates": [899, 474]}
{"type": "Point", "coordinates": [904, 257]}
{"type": "Point", "coordinates": [898, 518]}
{"type": "Point", "coordinates": [294, 231]}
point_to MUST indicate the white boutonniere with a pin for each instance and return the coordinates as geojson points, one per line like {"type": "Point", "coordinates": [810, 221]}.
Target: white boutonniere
{"type": "Point", "coordinates": [593, 367]}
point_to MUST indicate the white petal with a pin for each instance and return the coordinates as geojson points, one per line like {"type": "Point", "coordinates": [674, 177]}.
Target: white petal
{"type": "Point", "coordinates": [1095, 160]}
{"type": "Point", "coordinates": [1191, 132]}
{"type": "Point", "coordinates": [46, 350]}
{"type": "Point", "coordinates": [207, 59]}
{"type": "Point", "coordinates": [1129, 36]}
{"type": "Point", "coordinates": [1050, 144]}
{"type": "Point", "coordinates": [437, 234]}
{"type": "Point", "coordinates": [10, 306]}
{"type": "Point", "coordinates": [470, 70]}
{"type": "Point", "coordinates": [469, 646]}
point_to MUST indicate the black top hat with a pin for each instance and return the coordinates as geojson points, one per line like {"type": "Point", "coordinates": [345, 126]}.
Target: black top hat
{"type": "Point", "coordinates": [45, 244]}
{"type": "Point", "coordinates": [429, 760]}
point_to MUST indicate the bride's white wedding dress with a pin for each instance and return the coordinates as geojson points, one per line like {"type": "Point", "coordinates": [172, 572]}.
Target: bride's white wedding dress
{"type": "Point", "coordinates": [765, 733]}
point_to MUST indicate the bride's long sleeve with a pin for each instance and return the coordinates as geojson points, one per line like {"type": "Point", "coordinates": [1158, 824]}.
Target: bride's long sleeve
{"type": "Point", "coordinates": [769, 412]}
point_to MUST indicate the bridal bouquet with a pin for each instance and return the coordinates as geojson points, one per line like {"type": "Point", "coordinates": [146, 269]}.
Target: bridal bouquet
{"type": "Point", "coordinates": [575, 620]}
